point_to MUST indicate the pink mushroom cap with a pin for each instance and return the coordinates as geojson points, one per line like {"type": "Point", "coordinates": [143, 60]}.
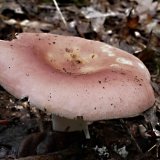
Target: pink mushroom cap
{"type": "Point", "coordinates": [74, 77]}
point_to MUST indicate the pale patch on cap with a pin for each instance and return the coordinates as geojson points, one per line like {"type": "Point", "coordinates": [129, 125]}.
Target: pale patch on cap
{"type": "Point", "coordinates": [141, 65]}
{"type": "Point", "coordinates": [115, 65]}
{"type": "Point", "coordinates": [110, 54]}
{"type": "Point", "coordinates": [87, 69]}
{"type": "Point", "coordinates": [107, 50]}
{"type": "Point", "coordinates": [90, 69]}
{"type": "Point", "coordinates": [124, 61]}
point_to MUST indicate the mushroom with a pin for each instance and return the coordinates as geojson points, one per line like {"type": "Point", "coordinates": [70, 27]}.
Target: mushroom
{"type": "Point", "coordinates": [77, 80]}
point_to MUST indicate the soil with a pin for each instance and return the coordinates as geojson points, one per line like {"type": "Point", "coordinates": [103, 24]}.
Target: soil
{"type": "Point", "coordinates": [26, 132]}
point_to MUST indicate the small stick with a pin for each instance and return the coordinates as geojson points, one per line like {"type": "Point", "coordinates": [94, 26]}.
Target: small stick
{"type": "Point", "coordinates": [60, 13]}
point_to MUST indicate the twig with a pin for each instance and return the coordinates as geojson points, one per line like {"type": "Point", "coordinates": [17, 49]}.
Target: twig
{"type": "Point", "coordinates": [60, 13]}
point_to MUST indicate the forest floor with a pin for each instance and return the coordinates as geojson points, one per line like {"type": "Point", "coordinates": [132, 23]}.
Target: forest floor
{"type": "Point", "coordinates": [132, 25]}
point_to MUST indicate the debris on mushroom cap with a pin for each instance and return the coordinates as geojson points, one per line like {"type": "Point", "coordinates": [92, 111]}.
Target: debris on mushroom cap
{"type": "Point", "coordinates": [73, 77]}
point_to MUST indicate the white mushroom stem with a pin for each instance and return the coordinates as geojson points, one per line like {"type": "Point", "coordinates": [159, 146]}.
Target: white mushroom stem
{"type": "Point", "coordinates": [65, 124]}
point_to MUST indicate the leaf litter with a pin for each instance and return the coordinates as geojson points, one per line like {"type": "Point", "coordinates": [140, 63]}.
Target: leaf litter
{"type": "Point", "coordinates": [132, 25]}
